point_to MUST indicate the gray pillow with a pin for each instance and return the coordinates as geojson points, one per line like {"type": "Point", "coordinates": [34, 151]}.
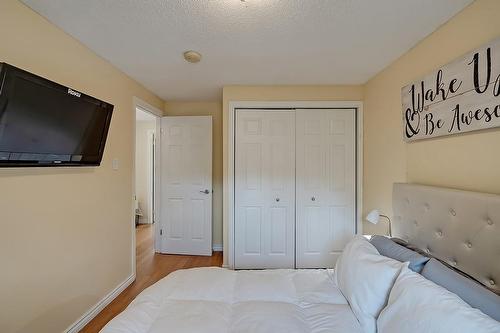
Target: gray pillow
{"type": "Point", "coordinates": [467, 289]}
{"type": "Point", "coordinates": [389, 248]}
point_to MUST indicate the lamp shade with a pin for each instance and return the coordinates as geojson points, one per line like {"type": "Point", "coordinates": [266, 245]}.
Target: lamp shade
{"type": "Point", "coordinates": [373, 216]}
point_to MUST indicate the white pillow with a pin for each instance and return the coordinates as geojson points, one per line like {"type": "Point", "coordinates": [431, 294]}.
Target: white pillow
{"type": "Point", "coordinates": [365, 278]}
{"type": "Point", "coordinates": [419, 305]}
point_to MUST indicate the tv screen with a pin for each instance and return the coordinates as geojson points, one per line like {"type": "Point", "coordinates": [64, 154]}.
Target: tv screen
{"type": "Point", "coordinates": [43, 123]}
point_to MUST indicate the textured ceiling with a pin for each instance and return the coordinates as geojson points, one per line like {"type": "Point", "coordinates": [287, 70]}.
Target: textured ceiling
{"type": "Point", "coordinates": [257, 42]}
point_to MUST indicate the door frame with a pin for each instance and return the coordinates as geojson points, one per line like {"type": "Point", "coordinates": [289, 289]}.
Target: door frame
{"type": "Point", "coordinates": [138, 103]}
{"type": "Point", "coordinates": [230, 155]}
{"type": "Point", "coordinates": [151, 141]}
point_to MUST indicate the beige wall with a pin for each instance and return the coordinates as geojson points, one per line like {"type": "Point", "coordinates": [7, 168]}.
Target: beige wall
{"type": "Point", "coordinates": [213, 109]}
{"type": "Point", "coordinates": [469, 161]}
{"type": "Point", "coordinates": [66, 233]}
{"type": "Point", "coordinates": [143, 167]}
{"type": "Point", "coordinates": [277, 93]}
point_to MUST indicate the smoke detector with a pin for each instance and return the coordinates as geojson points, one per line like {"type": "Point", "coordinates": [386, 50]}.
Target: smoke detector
{"type": "Point", "coordinates": [192, 56]}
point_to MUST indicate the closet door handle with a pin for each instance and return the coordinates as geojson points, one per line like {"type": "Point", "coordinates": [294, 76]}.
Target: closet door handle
{"type": "Point", "coordinates": [277, 199]}
{"type": "Point", "coordinates": [313, 198]}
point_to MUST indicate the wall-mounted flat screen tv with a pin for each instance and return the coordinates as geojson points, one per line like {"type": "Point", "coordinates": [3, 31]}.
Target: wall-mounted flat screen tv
{"type": "Point", "coordinates": [43, 123]}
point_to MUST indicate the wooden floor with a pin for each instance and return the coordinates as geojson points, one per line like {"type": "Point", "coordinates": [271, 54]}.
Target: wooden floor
{"type": "Point", "coordinates": [151, 267]}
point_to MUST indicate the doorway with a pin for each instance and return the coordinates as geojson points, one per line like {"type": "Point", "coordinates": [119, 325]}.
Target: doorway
{"type": "Point", "coordinates": [145, 159]}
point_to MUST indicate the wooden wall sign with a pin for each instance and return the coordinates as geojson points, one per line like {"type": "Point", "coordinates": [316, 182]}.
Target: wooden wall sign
{"type": "Point", "coordinates": [460, 97]}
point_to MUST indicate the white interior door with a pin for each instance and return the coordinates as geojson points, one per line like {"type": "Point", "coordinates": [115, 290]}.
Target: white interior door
{"type": "Point", "coordinates": [265, 189]}
{"type": "Point", "coordinates": [326, 185]}
{"type": "Point", "coordinates": [186, 185]}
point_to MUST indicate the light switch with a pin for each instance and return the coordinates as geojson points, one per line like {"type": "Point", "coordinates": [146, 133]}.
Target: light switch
{"type": "Point", "coordinates": [115, 164]}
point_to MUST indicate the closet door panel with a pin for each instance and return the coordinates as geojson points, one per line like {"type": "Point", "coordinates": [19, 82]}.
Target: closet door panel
{"type": "Point", "coordinates": [252, 229]}
{"type": "Point", "coordinates": [278, 228]}
{"type": "Point", "coordinates": [253, 167]}
{"type": "Point", "coordinates": [342, 178]}
{"type": "Point", "coordinates": [325, 190]}
{"type": "Point", "coordinates": [314, 227]}
{"type": "Point", "coordinates": [340, 228]}
{"type": "Point", "coordinates": [265, 189]}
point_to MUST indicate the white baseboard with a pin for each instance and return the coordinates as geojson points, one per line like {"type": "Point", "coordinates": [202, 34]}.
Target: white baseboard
{"type": "Point", "coordinates": [217, 247]}
{"type": "Point", "coordinates": [94, 311]}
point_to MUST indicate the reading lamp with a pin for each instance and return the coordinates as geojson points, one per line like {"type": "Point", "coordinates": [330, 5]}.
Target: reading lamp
{"type": "Point", "coordinates": [374, 217]}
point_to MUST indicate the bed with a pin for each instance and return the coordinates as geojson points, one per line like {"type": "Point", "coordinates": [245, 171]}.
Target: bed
{"type": "Point", "coordinates": [366, 292]}
{"type": "Point", "coordinates": [220, 300]}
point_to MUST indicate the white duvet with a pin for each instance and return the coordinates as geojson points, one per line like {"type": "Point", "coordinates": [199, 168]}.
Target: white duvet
{"type": "Point", "coordinates": [219, 300]}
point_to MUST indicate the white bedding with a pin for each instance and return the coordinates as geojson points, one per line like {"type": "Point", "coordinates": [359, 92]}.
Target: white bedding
{"type": "Point", "coordinates": [219, 300]}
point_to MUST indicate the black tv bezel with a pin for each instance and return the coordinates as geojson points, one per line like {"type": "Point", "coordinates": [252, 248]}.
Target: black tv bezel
{"type": "Point", "coordinates": [9, 70]}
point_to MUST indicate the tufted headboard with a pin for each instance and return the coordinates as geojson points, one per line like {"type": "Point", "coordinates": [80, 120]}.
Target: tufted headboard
{"type": "Point", "coordinates": [459, 227]}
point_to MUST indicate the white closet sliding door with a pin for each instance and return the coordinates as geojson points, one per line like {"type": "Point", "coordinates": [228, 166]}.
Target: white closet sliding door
{"type": "Point", "coordinates": [326, 185]}
{"type": "Point", "coordinates": [265, 189]}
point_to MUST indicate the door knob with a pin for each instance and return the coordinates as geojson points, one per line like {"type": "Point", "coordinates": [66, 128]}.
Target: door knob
{"type": "Point", "coordinates": [206, 191]}
{"type": "Point", "coordinates": [277, 199]}
{"type": "Point", "coordinates": [313, 199]}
